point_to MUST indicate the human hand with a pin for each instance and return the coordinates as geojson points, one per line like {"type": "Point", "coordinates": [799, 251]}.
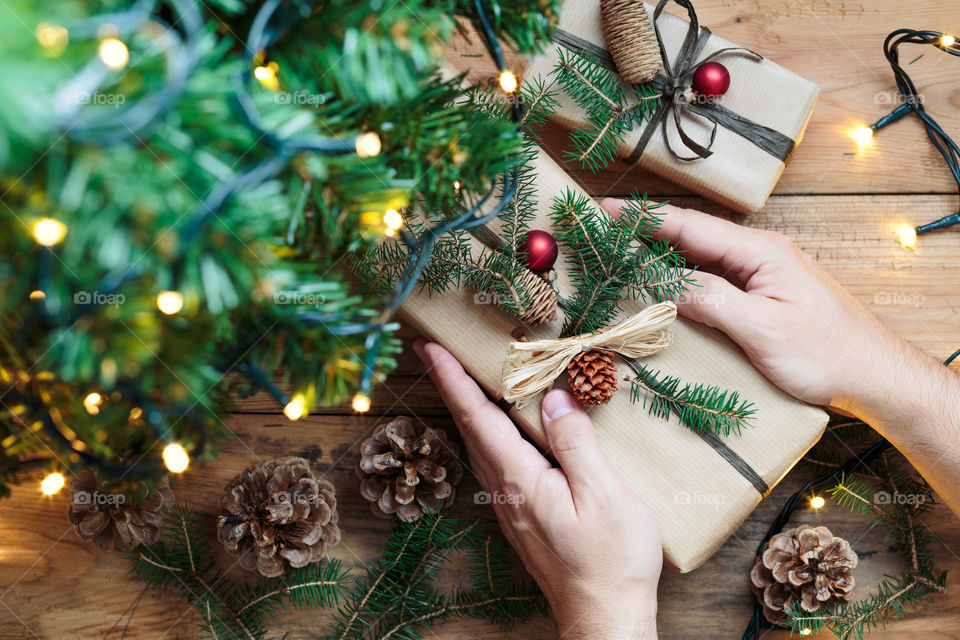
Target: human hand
{"type": "Point", "coordinates": [797, 325]}
{"type": "Point", "coordinates": [584, 537]}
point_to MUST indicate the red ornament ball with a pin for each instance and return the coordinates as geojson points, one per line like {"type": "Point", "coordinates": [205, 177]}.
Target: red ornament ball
{"type": "Point", "coordinates": [541, 249]}
{"type": "Point", "coordinates": [711, 79]}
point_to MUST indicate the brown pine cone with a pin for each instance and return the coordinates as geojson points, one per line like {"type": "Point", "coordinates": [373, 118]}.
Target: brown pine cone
{"type": "Point", "coordinates": [406, 470]}
{"type": "Point", "coordinates": [278, 515]}
{"type": "Point", "coordinates": [112, 521]}
{"type": "Point", "coordinates": [541, 300]}
{"type": "Point", "coordinates": [806, 564]}
{"type": "Point", "coordinates": [593, 376]}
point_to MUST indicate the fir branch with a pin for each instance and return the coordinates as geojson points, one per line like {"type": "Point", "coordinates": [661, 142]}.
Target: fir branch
{"type": "Point", "coordinates": [612, 108]}
{"type": "Point", "coordinates": [468, 604]}
{"type": "Point", "coordinates": [699, 407]}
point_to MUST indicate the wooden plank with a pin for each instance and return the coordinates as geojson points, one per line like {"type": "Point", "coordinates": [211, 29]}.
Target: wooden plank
{"type": "Point", "coordinates": [838, 45]}
{"type": "Point", "coordinates": [56, 586]}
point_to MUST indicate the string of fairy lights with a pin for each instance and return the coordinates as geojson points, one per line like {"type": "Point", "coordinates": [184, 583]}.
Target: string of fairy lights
{"type": "Point", "coordinates": [113, 55]}
{"type": "Point", "coordinates": [914, 103]}
{"type": "Point", "coordinates": [907, 236]}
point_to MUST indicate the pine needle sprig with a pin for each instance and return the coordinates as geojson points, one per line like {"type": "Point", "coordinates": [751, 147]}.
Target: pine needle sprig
{"type": "Point", "coordinates": [894, 501]}
{"type": "Point", "coordinates": [539, 103]}
{"type": "Point", "coordinates": [317, 585]}
{"type": "Point", "coordinates": [612, 108]}
{"type": "Point", "coordinates": [182, 560]}
{"type": "Point", "coordinates": [893, 596]}
{"type": "Point", "coordinates": [397, 599]}
{"type": "Point", "coordinates": [699, 407]}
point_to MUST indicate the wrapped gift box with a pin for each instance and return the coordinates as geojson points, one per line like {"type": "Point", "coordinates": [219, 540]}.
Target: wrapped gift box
{"type": "Point", "coordinates": [739, 174]}
{"type": "Point", "coordinates": [698, 488]}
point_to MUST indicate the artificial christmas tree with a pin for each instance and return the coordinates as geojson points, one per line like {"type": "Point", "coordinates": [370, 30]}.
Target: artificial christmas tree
{"type": "Point", "coordinates": [182, 180]}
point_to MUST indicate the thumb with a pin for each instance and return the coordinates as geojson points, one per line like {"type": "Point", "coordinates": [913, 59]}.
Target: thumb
{"type": "Point", "coordinates": [573, 442]}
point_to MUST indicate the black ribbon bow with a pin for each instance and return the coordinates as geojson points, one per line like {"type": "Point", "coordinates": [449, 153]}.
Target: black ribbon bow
{"type": "Point", "coordinates": [672, 83]}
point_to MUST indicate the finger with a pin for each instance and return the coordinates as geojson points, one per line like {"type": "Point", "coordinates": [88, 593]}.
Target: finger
{"type": "Point", "coordinates": [486, 430]}
{"type": "Point", "coordinates": [573, 442]}
{"type": "Point", "coordinates": [713, 301]}
{"type": "Point", "coordinates": [709, 240]}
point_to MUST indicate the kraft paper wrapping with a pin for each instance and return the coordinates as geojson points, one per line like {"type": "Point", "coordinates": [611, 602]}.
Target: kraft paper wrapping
{"type": "Point", "coordinates": [738, 175]}
{"type": "Point", "coordinates": [697, 498]}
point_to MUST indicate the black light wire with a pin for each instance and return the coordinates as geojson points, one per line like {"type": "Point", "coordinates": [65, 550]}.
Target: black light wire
{"type": "Point", "coordinates": [913, 103]}
{"type": "Point", "coordinates": [757, 621]}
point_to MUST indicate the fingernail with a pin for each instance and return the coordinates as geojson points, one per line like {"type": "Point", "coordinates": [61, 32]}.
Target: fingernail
{"type": "Point", "coordinates": [557, 403]}
{"type": "Point", "coordinates": [418, 345]}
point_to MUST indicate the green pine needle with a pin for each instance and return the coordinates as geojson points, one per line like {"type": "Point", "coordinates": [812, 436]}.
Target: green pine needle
{"type": "Point", "coordinates": [612, 108]}
{"type": "Point", "coordinates": [699, 407]}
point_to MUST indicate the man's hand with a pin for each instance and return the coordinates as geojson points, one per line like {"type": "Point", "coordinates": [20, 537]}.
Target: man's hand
{"type": "Point", "coordinates": [797, 325]}
{"type": "Point", "coordinates": [585, 538]}
{"type": "Point", "coordinates": [810, 337]}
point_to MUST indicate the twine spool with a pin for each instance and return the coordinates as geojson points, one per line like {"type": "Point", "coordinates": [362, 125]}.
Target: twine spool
{"type": "Point", "coordinates": [631, 40]}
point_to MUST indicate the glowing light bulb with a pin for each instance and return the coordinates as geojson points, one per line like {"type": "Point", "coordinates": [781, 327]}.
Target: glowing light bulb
{"type": "Point", "coordinates": [36, 295]}
{"type": "Point", "coordinates": [906, 236]}
{"type": "Point", "coordinates": [817, 502]}
{"type": "Point", "coordinates": [368, 144]}
{"type": "Point", "coordinates": [92, 403]}
{"type": "Point", "coordinates": [53, 38]}
{"type": "Point", "coordinates": [169, 302]}
{"type": "Point", "coordinates": [361, 403]}
{"type": "Point", "coordinates": [49, 232]}
{"type": "Point", "coordinates": [806, 631]}
{"type": "Point", "coordinates": [52, 484]}
{"type": "Point", "coordinates": [267, 76]}
{"type": "Point", "coordinates": [114, 53]}
{"type": "Point", "coordinates": [294, 408]}
{"type": "Point", "coordinates": [863, 136]}
{"type": "Point", "coordinates": [175, 458]}
{"type": "Point", "coordinates": [457, 185]}
{"type": "Point", "coordinates": [948, 40]}
{"type": "Point", "coordinates": [392, 219]}
{"type": "Point", "coordinates": [508, 82]}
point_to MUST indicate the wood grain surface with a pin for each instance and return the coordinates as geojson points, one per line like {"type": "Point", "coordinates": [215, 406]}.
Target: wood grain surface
{"type": "Point", "coordinates": [840, 208]}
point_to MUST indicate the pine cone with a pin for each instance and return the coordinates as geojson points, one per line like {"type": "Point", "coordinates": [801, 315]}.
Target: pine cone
{"type": "Point", "coordinates": [112, 521]}
{"type": "Point", "coordinates": [542, 307]}
{"type": "Point", "coordinates": [406, 470]}
{"type": "Point", "coordinates": [278, 515]}
{"type": "Point", "coordinates": [806, 564]}
{"type": "Point", "coordinates": [593, 376]}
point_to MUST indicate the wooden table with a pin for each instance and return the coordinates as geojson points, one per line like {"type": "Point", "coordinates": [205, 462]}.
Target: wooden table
{"type": "Point", "coordinates": [839, 207]}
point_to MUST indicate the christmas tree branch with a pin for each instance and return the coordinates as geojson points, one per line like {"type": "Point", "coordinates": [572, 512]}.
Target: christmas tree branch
{"type": "Point", "coordinates": [697, 406]}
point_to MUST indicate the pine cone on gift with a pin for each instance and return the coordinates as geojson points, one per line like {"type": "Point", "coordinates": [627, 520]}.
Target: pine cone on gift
{"type": "Point", "coordinates": [593, 376]}
{"type": "Point", "coordinates": [407, 470]}
{"type": "Point", "coordinates": [277, 515]}
{"type": "Point", "coordinates": [111, 520]}
{"type": "Point", "coordinates": [542, 307]}
{"type": "Point", "coordinates": [805, 564]}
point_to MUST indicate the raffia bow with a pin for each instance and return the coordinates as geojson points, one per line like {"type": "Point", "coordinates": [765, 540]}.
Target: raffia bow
{"type": "Point", "coordinates": [531, 367]}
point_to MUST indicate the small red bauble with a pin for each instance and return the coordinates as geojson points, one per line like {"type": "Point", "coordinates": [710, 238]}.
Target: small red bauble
{"type": "Point", "coordinates": [541, 249]}
{"type": "Point", "coordinates": [711, 79]}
